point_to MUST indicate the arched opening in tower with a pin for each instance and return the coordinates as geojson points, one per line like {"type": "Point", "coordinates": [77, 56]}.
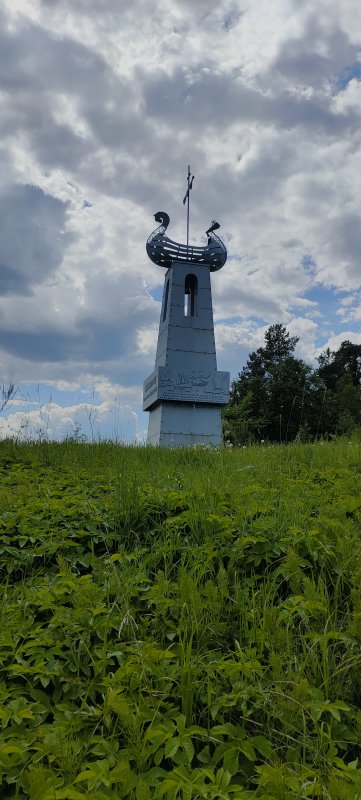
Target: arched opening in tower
{"type": "Point", "coordinates": [190, 296]}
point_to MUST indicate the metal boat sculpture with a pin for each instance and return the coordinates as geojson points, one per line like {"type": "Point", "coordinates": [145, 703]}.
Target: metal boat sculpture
{"type": "Point", "coordinates": [165, 252]}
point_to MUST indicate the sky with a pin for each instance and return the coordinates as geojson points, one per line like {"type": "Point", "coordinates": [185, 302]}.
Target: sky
{"type": "Point", "coordinates": [104, 103]}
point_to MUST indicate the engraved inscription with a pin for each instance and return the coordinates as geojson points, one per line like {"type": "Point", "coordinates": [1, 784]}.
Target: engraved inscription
{"type": "Point", "coordinates": [196, 379]}
{"type": "Point", "coordinates": [193, 397]}
{"type": "Point", "coordinates": [150, 383]}
{"type": "Point", "coordinates": [191, 386]}
{"type": "Point", "coordinates": [150, 387]}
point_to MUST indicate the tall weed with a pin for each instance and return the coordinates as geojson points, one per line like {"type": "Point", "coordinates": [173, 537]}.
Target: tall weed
{"type": "Point", "coordinates": [180, 624]}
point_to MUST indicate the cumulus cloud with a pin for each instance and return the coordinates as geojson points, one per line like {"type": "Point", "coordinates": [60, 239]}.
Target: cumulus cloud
{"type": "Point", "coordinates": [32, 238]}
{"type": "Point", "coordinates": [103, 106]}
{"type": "Point", "coordinates": [334, 341]}
{"type": "Point", "coordinates": [91, 421]}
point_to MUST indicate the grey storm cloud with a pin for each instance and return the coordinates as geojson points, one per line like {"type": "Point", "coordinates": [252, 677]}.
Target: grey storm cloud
{"type": "Point", "coordinates": [109, 101]}
{"type": "Point", "coordinates": [316, 57]}
{"type": "Point", "coordinates": [42, 76]}
{"type": "Point", "coordinates": [39, 346]}
{"type": "Point", "coordinates": [98, 8]}
{"type": "Point", "coordinates": [37, 69]}
{"type": "Point", "coordinates": [217, 100]}
{"type": "Point", "coordinates": [345, 241]}
{"type": "Point", "coordinates": [103, 329]}
{"type": "Point", "coordinates": [110, 10]}
{"type": "Point", "coordinates": [32, 58]}
{"type": "Point", "coordinates": [32, 237]}
{"type": "Point", "coordinates": [122, 114]}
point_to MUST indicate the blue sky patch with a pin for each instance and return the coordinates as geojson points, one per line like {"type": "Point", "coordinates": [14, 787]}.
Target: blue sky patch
{"type": "Point", "coordinates": [348, 74]}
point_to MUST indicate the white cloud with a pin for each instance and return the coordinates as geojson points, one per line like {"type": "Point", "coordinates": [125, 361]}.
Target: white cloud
{"type": "Point", "coordinates": [103, 106]}
{"type": "Point", "coordinates": [335, 340]}
{"type": "Point", "coordinates": [306, 331]}
{"type": "Point", "coordinates": [109, 412]}
{"type": "Point", "coordinates": [242, 334]}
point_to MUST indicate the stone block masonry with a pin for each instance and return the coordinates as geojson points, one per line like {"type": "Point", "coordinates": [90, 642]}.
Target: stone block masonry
{"type": "Point", "coordinates": [185, 392]}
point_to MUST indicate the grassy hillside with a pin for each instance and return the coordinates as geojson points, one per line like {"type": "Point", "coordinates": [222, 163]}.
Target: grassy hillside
{"type": "Point", "coordinates": [180, 624]}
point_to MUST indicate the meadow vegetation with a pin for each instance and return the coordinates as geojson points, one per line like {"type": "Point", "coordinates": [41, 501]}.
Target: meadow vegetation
{"type": "Point", "coordinates": [180, 624]}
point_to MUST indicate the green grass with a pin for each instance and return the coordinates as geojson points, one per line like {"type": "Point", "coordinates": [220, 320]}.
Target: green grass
{"type": "Point", "coordinates": [180, 624]}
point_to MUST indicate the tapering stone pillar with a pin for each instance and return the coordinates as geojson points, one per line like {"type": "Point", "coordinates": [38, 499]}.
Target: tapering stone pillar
{"type": "Point", "coordinates": [185, 392]}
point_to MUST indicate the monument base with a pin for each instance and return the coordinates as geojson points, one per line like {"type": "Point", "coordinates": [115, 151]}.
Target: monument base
{"type": "Point", "coordinates": [184, 425]}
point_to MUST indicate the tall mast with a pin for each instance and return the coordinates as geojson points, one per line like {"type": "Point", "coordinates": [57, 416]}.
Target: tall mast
{"type": "Point", "coordinates": [186, 200]}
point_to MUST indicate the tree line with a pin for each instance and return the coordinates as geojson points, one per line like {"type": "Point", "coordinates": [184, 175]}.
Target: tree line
{"type": "Point", "coordinates": [279, 398]}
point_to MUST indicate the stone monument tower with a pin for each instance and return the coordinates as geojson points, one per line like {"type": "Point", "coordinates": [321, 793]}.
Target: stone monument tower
{"type": "Point", "coordinates": [185, 392]}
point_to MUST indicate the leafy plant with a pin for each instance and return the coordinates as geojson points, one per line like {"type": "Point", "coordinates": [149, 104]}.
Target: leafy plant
{"type": "Point", "coordinates": [180, 624]}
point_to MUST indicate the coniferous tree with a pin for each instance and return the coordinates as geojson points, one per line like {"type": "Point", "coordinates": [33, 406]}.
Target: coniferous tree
{"type": "Point", "coordinates": [334, 364]}
{"type": "Point", "coordinates": [279, 397]}
{"type": "Point", "coordinates": [273, 380]}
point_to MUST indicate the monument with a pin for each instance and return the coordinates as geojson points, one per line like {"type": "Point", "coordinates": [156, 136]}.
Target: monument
{"type": "Point", "coordinates": [185, 392]}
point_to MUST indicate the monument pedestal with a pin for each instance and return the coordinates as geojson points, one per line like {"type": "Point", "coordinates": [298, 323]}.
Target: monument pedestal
{"type": "Point", "coordinates": [184, 425]}
{"type": "Point", "coordinates": [185, 392]}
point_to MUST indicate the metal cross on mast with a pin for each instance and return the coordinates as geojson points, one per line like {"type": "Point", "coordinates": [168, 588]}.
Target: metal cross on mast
{"type": "Point", "coordinates": [186, 200]}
